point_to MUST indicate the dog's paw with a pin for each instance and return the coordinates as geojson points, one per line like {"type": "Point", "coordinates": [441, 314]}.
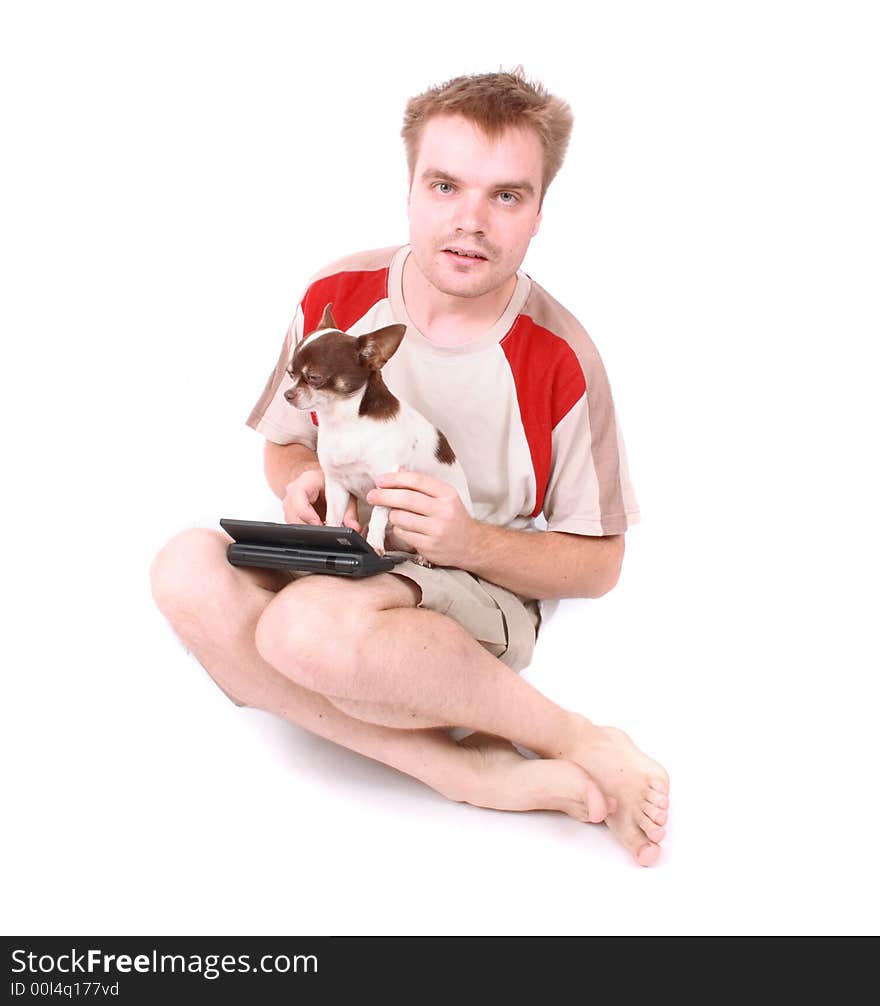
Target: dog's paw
{"type": "Point", "coordinates": [377, 545]}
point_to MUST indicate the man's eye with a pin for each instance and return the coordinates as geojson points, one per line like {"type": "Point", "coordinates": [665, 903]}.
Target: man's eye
{"type": "Point", "coordinates": [512, 198]}
{"type": "Point", "coordinates": [444, 187]}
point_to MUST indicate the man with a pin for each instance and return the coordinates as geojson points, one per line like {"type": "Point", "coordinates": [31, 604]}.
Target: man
{"type": "Point", "coordinates": [385, 665]}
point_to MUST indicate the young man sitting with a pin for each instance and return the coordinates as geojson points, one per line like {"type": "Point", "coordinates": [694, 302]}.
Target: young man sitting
{"type": "Point", "coordinates": [386, 665]}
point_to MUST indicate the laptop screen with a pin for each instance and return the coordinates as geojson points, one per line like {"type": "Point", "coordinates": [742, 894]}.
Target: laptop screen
{"type": "Point", "coordinates": [304, 536]}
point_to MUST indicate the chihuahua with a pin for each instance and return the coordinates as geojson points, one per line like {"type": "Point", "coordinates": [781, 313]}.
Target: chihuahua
{"type": "Point", "coordinates": [363, 429]}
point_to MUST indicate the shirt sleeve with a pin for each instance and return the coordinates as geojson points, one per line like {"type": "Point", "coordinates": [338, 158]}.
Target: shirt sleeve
{"type": "Point", "coordinates": [273, 416]}
{"type": "Point", "coordinates": [589, 490]}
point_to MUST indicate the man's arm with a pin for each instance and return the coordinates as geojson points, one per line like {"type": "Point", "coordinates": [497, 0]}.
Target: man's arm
{"type": "Point", "coordinates": [283, 463]}
{"type": "Point", "coordinates": [546, 564]}
{"type": "Point", "coordinates": [428, 514]}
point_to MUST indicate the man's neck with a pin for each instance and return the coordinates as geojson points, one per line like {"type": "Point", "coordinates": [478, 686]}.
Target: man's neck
{"type": "Point", "coordinates": [447, 320]}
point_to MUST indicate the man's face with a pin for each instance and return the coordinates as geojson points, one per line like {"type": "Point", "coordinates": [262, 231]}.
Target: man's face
{"type": "Point", "coordinates": [474, 195]}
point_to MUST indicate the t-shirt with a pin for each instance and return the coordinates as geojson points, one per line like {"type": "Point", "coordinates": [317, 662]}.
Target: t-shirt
{"type": "Point", "coordinates": [526, 407]}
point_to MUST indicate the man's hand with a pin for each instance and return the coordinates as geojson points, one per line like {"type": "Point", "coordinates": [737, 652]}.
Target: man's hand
{"type": "Point", "coordinates": [304, 502]}
{"type": "Point", "coordinates": [428, 515]}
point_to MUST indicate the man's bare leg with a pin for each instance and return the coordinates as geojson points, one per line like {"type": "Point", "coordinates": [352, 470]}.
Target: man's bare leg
{"type": "Point", "coordinates": [365, 644]}
{"type": "Point", "coordinates": [215, 608]}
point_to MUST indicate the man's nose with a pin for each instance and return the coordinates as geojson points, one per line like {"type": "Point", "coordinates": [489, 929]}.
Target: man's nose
{"type": "Point", "coordinates": [472, 214]}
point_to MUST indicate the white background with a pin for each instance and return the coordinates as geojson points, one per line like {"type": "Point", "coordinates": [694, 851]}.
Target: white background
{"type": "Point", "coordinates": [172, 174]}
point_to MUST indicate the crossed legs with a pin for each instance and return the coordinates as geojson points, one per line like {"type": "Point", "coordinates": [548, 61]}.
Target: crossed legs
{"type": "Point", "coordinates": [357, 663]}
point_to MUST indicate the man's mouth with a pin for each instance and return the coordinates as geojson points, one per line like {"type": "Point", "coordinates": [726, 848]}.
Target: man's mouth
{"type": "Point", "coordinates": [466, 253]}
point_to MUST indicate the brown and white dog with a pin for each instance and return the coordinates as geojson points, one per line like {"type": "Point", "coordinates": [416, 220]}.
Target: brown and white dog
{"type": "Point", "coordinates": [363, 430]}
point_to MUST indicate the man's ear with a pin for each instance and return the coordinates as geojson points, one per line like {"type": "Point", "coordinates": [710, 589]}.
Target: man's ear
{"type": "Point", "coordinates": [375, 349]}
{"type": "Point", "coordinates": [538, 219]}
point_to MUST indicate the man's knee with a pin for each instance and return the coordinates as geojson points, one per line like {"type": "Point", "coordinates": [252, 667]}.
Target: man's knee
{"type": "Point", "coordinates": [293, 630]}
{"type": "Point", "coordinates": [313, 630]}
{"type": "Point", "coordinates": [184, 575]}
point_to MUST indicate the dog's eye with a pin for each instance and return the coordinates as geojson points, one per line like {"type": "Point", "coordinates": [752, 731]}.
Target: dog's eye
{"type": "Point", "coordinates": [315, 380]}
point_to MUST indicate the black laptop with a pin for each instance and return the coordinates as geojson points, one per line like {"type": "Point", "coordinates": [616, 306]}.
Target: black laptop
{"type": "Point", "coordinates": [304, 547]}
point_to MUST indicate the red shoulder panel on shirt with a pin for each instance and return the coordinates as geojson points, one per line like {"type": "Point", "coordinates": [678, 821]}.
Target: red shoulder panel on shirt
{"type": "Point", "coordinates": [352, 294]}
{"type": "Point", "coordinates": [549, 381]}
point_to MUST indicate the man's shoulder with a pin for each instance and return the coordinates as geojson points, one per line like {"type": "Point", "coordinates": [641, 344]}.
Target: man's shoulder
{"type": "Point", "coordinates": [548, 313]}
{"type": "Point", "coordinates": [543, 314]}
{"type": "Point", "coordinates": [374, 260]}
{"type": "Point", "coordinates": [352, 285]}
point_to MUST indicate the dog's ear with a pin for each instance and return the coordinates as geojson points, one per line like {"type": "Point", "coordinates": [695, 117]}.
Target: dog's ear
{"type": "Point", "coordinates": [375, 349]}
{"type": "Point", "coordinates": [327, 320]}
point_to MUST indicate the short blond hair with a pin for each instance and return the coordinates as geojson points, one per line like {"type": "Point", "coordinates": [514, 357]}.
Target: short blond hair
{"type": "Point", "coordinates": [494, 102]}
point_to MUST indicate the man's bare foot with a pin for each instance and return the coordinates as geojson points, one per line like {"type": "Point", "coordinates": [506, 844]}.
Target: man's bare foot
{"type": "Point", "coordinates": [504, 780]}
{"type": "Point", "coordinates": [638, 785]}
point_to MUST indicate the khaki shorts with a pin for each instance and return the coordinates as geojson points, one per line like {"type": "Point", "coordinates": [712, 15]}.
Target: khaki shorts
{"type": "Point", "coordinates": [502, 622]}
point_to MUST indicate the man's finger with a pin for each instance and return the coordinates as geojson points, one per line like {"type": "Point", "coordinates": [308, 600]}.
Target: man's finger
{"type": "Point", "coordinates": [351, 515]}
{"type": "Point", "coordinates": [402, 499]}
{"type": "Point", "coordinates": [422, 483]}
{"type": "Point", "coordinates": [305, 513]}
{"type": "Point", "coordinates": [404, 520]}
